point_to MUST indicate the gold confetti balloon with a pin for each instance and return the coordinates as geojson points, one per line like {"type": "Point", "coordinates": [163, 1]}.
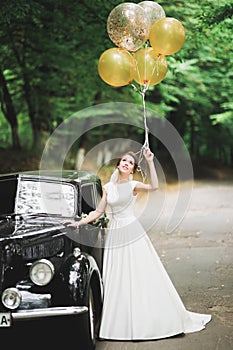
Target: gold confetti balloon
{"type": "Point", "coordinates": [128, 26]}
{"type": "Point", "coordinates": [153, 10]}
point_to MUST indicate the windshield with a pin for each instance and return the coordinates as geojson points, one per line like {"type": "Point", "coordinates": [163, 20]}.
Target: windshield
{"type": "Point", "coordinates": [45, 197]}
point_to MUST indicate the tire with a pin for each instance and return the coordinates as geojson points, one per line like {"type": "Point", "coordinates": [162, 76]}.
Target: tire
{"type": "Point", "coordinates": [90, 323]}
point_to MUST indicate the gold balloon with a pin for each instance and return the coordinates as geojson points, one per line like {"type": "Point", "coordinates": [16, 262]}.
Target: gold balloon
{"type": "Point", "coordinates": [153, 11]}
{"type": "Point", "coordinates": [128, 26]}
{"type": "Point", "coordinates": [150, 67]}
{"type": "Point", "coordinates": [167, 35]}
{"type": "Point", "coordinates": [116, 67]}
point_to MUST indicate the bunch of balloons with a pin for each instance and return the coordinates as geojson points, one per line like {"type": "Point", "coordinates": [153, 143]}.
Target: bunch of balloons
{"type": "Point", "coordinates": [143, 36]}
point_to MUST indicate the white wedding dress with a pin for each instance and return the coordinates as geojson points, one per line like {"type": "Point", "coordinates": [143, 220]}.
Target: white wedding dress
{"type": "Point", "coordinates": [140, 301]}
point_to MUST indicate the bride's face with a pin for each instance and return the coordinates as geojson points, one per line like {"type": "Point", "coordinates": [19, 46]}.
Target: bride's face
{"type": "Point", "coordinates": [126, 165]}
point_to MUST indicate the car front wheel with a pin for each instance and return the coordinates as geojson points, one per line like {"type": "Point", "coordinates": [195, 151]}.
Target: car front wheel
{"type": "Point", "coordinates": [90, 323]}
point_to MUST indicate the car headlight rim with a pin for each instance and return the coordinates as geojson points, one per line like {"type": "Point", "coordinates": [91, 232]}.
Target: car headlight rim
{"type": "Point", "coordinates": [11, 298]}
{"type": "Point", "coordinates": [41, 272]}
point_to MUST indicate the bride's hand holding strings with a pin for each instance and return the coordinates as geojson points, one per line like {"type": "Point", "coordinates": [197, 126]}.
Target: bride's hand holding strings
{"type": "Point", "coordinates": [149, 156]}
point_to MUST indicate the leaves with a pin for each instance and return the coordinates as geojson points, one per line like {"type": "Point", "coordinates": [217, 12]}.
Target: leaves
{"type": "Point", "coordinates": [49, 55]}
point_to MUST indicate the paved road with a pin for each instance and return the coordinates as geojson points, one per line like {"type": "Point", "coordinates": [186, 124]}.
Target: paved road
{"type": "Point", "coordinates": [198, 255]}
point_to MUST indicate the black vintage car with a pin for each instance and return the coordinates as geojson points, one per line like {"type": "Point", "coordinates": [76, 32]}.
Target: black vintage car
{"type": "Point", "coordinates": [47, 269]}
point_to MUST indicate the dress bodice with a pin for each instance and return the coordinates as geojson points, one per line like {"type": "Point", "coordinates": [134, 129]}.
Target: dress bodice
{"type": "Point", "coordinates": [121, 199]}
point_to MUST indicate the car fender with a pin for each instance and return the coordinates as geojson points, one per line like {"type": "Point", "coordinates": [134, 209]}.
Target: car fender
{"type": "Point", "coordinates": [78, 272]}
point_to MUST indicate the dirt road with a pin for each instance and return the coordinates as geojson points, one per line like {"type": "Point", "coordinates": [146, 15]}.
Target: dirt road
{"type": "Point", "coordinates": [198, 255]}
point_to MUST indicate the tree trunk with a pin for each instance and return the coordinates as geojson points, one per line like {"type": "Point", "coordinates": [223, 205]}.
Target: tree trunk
{"type": "Point", "coordinates": [8, 110]}
{"type": "Point", "coordinates": [31, 108]}
{"type": "Point", "coordinates": [192, 136]}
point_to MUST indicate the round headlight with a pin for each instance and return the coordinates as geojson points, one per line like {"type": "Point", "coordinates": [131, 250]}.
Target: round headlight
{"type": "Point", "coordinates": [11, 298]}
{"type": "Point", "coordinates": [41, 272]}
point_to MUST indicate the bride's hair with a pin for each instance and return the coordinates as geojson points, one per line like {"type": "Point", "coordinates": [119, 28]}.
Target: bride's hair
{"type": "Point", "coordinates": [133, 155]}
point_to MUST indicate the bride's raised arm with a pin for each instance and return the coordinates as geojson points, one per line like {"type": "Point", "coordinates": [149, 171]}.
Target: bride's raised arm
{"type": "Point", "coordinates": [153, 185]}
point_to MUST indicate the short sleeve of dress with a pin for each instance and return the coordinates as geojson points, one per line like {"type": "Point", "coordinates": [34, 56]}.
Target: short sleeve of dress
{"type": "Point", "coordinates": [106, 187]}
{"type": "Point", "coordinates": [134, 183]}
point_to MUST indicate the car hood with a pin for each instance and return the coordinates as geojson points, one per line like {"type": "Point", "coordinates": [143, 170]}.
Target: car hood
{"type": "Point", "coordinates": [30, 225]}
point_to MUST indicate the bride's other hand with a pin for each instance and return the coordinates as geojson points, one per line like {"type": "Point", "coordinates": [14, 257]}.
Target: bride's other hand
{"type": "Point", "coordinates": [70, 223]}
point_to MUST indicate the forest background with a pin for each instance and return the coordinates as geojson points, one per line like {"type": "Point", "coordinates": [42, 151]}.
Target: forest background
{"type": "Point", "coordinates": [49, 56]}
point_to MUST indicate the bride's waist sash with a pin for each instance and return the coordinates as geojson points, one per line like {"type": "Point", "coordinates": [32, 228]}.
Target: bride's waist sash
{"type": "Point", "coordinates": [123, 216]}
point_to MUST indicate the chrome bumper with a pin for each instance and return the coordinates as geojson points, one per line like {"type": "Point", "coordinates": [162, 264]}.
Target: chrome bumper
{"type": "Point", "coordinates": [48, 312]}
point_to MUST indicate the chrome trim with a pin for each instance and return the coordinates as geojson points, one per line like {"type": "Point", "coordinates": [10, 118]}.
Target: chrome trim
{"type": "Point", "coordinates": [76, 252]}
{"type": "Point", "coordinates": [45, 262]}
{"type": "Point", "coordinates": [17, 297]}
{"type": "Point", "coordinates": [48, 312]}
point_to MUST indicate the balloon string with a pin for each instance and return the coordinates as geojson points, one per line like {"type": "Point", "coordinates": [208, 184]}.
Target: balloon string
{"type": "Point", "coordinates": [142, 92]}
{"type": "Point", "coordinates": [146, 143]}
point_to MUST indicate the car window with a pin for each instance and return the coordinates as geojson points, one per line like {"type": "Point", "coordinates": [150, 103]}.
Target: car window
{"type": "Point", "coordinates": [45, 197]}
{"type": "Point", "coordinates": [89, 198]}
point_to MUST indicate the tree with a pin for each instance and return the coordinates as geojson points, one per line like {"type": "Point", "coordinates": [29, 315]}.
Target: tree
{"type": "Point", "coordinates": [51, 49]}
{"type": "Point", "coordinates": [8, 110]}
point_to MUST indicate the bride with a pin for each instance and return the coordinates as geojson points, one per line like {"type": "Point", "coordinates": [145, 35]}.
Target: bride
{"type": "Point", "coordinates": [140, 301]}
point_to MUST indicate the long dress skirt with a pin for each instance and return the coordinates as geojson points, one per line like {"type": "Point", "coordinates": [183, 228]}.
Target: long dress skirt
{"type": "Point", "coordinates": [140, 301]}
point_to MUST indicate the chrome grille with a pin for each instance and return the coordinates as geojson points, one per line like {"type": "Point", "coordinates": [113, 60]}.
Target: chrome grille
{"type": "Point", "coordinates": [43, 250]}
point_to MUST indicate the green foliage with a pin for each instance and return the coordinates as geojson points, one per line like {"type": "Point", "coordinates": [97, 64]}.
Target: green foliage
{"type": "Point", "coordinates": [49, 55]}
{"type": "Point", "coordinates": [4, 132]}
